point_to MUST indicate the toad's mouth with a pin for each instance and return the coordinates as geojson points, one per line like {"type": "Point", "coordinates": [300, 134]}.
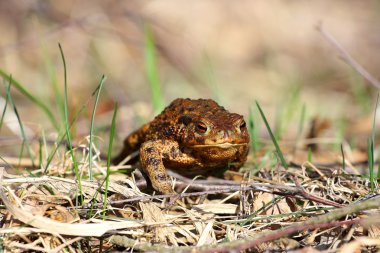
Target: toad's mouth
{"type": "Point", "coordinates": [220, 145]}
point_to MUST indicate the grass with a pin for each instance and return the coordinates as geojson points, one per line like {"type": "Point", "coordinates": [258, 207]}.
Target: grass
{"type": "Point", "coordinates": [25, 141]}
{"type": "Point", "coordinates": [188, 226]}
{"type": "Point", "coordinates": [253, 130]}
{"type": "Point", "coordinates": [108, 165]}
{"type": "Point", "coordinates": [371, 163]}
{"type": "Point", "coordinates": [37, 101]}
{"type": "Point", "coordinates": [151, 70]}
{"type": "Point", "coordinates": [50, 68]}
{"type": "Point", "coordinates": [43, 150]}
{"type": "Point", "coordinates": [251, 217]}
{"type": "Point", "coordinates": [286, 110]}
{"type": "Point", "coordinates": [374, 120]}
{"type": "Point", "coordinates": [343, 158]}
{"type": "Point", "coordinates": [361, 94]}
{"type": "Point", "coordinates": [279, 152]}
{"type": "Point", "coordinates": [211, 80]}
{"type": "Point", "coordinates": [341, 126]}
{"type": "Point", "coordinates": [370, 149]}
{"type": "Point", "coordinates": [40, 161]}
{"type": "Point", "coordinates": [301, 126]}
{"type": "Point", "coordinates": [109, 157]}
{"type": "Point", "coordinates": [309, 155]}
{"type": "Point", "coordinates": [7, 91]}
{"type": "Point", "coordinates": [62, 134]}
{"type": "Point", "coordinates": [98, 90]}
{"type": "Point", "coordinates": [67, 128]}
{"type": "Point", "coordinates": [257, 219]}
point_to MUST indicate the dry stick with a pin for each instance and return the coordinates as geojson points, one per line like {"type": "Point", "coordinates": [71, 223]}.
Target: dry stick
{"type": "Point", "coordinates": [289, 192]}
{"type": "Point", "coordinates": [322, 221]}
{"type": "Point", "coordinates": [216, 190]}
{"type": "Point", "coordinates": [308, 196]}
{"type": "Point", "coordinates": [347, 57]}
{"type": "Point", "coordinates": [65, 244]}
{"type": "Point", "coordinates": [23, 246]}
{"type": "Point", "coordinates": [126, 242]}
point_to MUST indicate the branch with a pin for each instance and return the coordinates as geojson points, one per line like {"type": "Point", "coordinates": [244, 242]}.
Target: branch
{"type": "Point", "coordinates": [313, 198]}
{"type": "Point", "coordinates": [218, 189]}
{"type": "Point", "coordinates": [322, 221]}
{"type": "Point", "coordinates": [347, 57]}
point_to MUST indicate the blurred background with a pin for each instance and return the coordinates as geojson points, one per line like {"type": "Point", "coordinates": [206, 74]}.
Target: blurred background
{"type": "Point", "coordinates": [233, 52]}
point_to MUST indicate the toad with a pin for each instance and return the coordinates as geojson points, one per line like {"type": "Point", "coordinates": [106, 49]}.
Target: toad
{"type": "Point", "coordinates": [191, 137]}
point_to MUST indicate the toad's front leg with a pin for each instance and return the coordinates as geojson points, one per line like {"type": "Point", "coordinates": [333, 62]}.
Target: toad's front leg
{"type": "Point", "coordinates": [152, 155]}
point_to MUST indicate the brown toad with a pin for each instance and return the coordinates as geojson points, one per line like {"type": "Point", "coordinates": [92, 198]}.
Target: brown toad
{"type": "Point", "coordinates": [191, 137]}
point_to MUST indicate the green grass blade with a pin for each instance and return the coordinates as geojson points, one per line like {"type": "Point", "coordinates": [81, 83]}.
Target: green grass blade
{"type": "Point", "coordinates": [20, 156]}
{"type": "Point", "coordinates": [340, 129]}
{"type": "Point", "coordinates": [45, 152]}
{"type": "Point", "coordinates": [60, 139]}
{"type": "Point", "coordinates": [98, 90]}
{"type": "Point", "coordinates": [210, 76]}
{"type": "Point", "coordinates": [54, 81]}
{"type": "Point", "coordinates": [265, 159]}
{"type": "Point", "coordinates": [370, 164]}
{"type": "Point", "coordinates": [253, 132]}
{"type": "Point", "coordinates": [8, 164]}
{"type": "Point", "coordinates": [359, 91]}
{"type": "Point", "coordinates": [279, 152]}
{"type": "Point", "coordinates": [32, 98]}
{"type": "Point", "coordinates": [67, 128]}
{"type": "Point", "coordinates": [273, 202]}
{"type": "Point", "coordinates": [378, 172]}
{"type": "Point", "coordinates": [22, 130]}
{"type": "Point", "coordinates": [373, 138]}
{"type": "Point", "coordinates": [109, 156]}
{"type": "Point", "coordinates": [374, 121]}
{"type": "Point", "coordinates": [62, 134]}
{"type": "Point", "coordinates": [151, 70]}
{"type": "Point", "coordinates": [286, 111]}
{"type": "Point", "coordinates": [40, 153]}
{"type": "Point", "coordinates": [5, 107]}
{"type": "Point", "coordinates": [278, 122]}
{"type": "Point", "coordinates": [343, 158]}
{"type": "Point", "coordinates": [300, 126]}
{"type": "Point", "coordinates": [309, 155]}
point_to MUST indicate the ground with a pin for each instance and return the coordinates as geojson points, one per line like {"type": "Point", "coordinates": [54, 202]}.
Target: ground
{"type": "Point", "coordinates": [311, 179]}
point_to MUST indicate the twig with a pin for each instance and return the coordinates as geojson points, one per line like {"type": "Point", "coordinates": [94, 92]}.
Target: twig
{"type": "Point", "coordinates": [126, 242]}
{"type": "Point", "coordinates": [217, 189]}
{"type": "Point", "coordinates": [27, 247]}
{"type": "Point", "coordinates": [182, 195]}
{"type": "Point", "coordinates": [65, 244]}
{"type": "Point", "coordinates": [347, 57]}
{"type": "Point", "coordinates": [310, 197]}
{"type": "Point", "coordinates": [322, 221]}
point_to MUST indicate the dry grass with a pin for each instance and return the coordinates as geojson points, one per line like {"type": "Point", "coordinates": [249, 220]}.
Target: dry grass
{"type": "Point", "coordinates": [243, 52]}
{"type": "Point", "coordinates": [272, 210]}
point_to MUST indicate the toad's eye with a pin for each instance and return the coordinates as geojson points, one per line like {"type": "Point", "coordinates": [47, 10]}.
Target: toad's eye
{"type": "Point", "coordinates": [243, 125]}
{"type": "Point", "coordinates": [201, 127]}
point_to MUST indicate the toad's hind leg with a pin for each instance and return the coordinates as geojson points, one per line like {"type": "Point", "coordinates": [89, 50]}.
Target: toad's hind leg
{"type": "Point", "coordinates": [152, 156]}
{"type": "Point", "coordinates": [153, 166]}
